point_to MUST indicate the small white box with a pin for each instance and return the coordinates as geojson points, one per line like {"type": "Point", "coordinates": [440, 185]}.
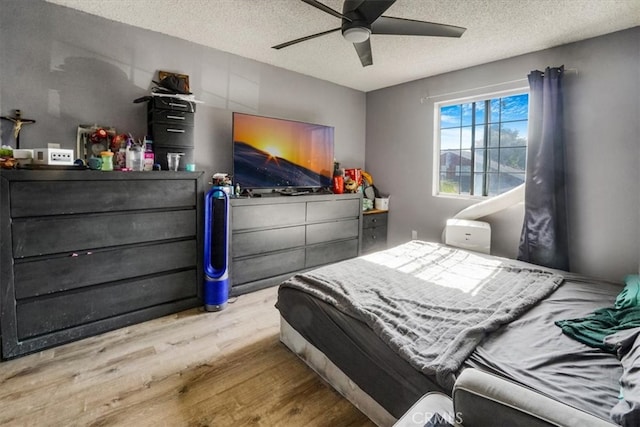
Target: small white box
{"type": "Point", "coordinates": [23, 156]}
{"type": "Point", "coordinates": [52, 156]}
{"type": "Point", "coordinates": [467, 234]}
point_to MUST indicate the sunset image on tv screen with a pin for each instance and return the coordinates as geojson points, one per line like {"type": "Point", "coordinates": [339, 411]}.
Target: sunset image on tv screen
{"type": "Point", "coordinates": [272, 152]}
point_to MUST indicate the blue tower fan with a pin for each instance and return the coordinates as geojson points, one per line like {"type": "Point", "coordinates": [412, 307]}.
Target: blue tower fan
{"type": "Point", "coordinates": [216, 249]}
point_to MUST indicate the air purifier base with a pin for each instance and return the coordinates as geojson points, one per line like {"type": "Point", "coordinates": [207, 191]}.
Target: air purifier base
{"type": "Point", "coordinates": [217, 307]}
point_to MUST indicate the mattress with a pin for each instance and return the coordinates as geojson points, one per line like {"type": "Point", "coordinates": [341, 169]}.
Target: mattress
{"type": "Point", "coordinates": [530, 350]}
{"type": "Point", "coordinates": [534, 352]}
{"type": "Point", "coordinates": [354, 348]}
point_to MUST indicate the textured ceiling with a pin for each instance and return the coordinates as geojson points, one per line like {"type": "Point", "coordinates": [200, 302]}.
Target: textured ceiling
{"type": "Point", "coordinates": [496, 29]}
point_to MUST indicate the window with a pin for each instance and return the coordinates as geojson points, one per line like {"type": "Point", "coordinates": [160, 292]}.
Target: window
{"type": "Point", "coordinates": [482, 145]}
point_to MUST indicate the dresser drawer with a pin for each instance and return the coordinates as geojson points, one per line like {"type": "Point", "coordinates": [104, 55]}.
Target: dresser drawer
{"type": "Point", "coordinates": [172, 135]}
{"type": "Point", "coordinates": [333, 209]}
{"type": "Point", "coordinates": [261, 267]}
{"type": "Point", "coordinates": [260, 216]}
{"type": "Point", "coordinates": [331, 252]}
{"type": "Point", "coordinates": [374, 220]}
{"type": "Point", "coordinates": [76, 197]}
{"type": "Point", "coordinates": [374, 239]}
{"type": "Point", "coordinates": [175, 104]}
{"type": "Point", "coordinates": [257, 242]}
{"type": "Point", "coordinates": [328, 231]}
{"type": "Point", "coordinates": [58, 274]}
{"type": "Point", "coordinates": [46, 315]}
{"type": "Point", "coordinates": [172, 117]}
{"type": "Point", "coordinates": [44, 236]}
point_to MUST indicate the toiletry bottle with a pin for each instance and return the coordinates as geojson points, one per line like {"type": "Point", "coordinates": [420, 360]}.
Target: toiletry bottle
{"type": "Point", "coordinates": [128, 155]}
{"type": "Point", "coordinates": [148, 154]}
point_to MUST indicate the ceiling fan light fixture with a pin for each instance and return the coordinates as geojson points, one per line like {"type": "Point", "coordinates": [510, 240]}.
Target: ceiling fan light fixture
{"type": "Point", "coordinates": [356, 34]}
{"type": "Point", "coordinates": [361, 18]}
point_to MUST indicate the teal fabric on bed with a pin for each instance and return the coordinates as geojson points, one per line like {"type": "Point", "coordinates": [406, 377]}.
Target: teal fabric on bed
{"type": "Point", "coordinates": [630, 295]}
{"type": "Point", "coordinates": [594, 328]}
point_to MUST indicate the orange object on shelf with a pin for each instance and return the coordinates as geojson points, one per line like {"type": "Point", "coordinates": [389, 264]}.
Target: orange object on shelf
{"type": "Point", "coordinates": [338, 184]}
{"type": "Point", "coordinates": [354, 174]}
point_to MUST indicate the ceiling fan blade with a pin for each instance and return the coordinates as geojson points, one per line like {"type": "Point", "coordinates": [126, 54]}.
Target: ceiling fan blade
{"type": "Point", "coordinates": [372, 9]}
{"type": "Point", "coordinates": [364, 52]}
{"type": "Point", "coordinates": [326, 9]}
{"type": "Point", "coordinates": [301, 39]}
{"type": "Point", "coordinates": [410, 27]}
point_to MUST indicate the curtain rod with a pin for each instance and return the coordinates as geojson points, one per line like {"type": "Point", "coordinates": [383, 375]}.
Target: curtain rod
{"type": "Point", "coordinates": [424, 98]}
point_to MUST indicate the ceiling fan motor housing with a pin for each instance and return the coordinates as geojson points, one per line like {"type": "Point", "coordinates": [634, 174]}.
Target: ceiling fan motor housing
{"type": "Point", "coordinates": [356, 29]}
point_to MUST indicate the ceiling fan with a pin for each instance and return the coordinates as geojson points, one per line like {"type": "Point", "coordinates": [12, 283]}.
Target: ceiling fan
{"type": "Point", "coordinates": [361, 18]}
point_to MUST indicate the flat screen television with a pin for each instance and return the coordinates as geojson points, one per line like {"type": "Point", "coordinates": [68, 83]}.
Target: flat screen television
{"type": "Point", "coordinates": [281, 154]}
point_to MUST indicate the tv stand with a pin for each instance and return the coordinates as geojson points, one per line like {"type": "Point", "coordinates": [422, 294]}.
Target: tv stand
{"type": "Point", "coordinates": [273, 238]}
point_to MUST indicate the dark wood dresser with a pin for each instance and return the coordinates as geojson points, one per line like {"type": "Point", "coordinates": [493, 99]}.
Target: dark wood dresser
{"type": "Point", "coordinates": [83, 252]}
{"type": "Point", "coordinates": [274, 238]}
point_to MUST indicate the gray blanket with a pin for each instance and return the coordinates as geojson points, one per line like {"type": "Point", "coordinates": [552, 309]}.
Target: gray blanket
{"type": "Point", "coordinates": [430, 303]}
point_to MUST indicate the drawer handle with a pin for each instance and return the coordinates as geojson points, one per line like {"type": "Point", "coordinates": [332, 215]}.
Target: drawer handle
{"type": "Point", "coordinates": [175, 117]}
{"type": "Point", "coordinates": [176, 130]}
{"type": "Point", "coordinates": [173, 104]}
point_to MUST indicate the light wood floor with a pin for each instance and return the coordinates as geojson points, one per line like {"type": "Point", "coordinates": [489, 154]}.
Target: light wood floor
{"type": "Point", "coordinates": [190, 369]}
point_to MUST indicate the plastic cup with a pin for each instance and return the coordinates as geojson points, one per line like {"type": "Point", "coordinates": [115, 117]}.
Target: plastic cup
{"type": "Point", "coordinates": [173, 160]}
{"type": "Point", "coordinates": [137, 163]}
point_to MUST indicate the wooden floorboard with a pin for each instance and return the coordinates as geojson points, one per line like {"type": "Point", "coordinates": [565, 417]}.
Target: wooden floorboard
{"type": "Point", "coordinates": [189, 369]}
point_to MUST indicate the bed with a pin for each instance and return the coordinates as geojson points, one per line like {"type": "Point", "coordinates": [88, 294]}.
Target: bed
{"type": "Point", "coordinates": [378, 328]}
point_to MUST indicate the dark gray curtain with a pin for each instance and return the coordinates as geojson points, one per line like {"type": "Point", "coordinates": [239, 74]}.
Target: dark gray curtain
{"type": "Point", "coordinates": [544, 233]}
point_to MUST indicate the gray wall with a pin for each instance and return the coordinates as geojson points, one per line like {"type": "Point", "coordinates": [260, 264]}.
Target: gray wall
{"type": "Point", "coordinates": [64, 68]}
{"type": "Point", "coordinates": [603, 150]}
